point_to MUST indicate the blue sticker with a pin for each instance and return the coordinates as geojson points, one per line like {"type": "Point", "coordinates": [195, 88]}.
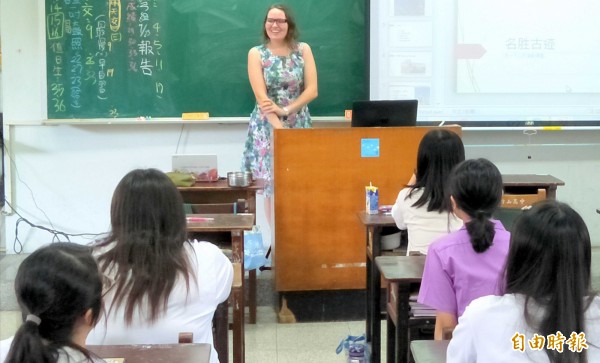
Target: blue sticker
{"type": "Point", "coordinates": [369, 148]}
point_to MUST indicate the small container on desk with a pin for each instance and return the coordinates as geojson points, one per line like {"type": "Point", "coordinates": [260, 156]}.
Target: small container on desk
{"type": "Point", "coordinates": [372, 199]}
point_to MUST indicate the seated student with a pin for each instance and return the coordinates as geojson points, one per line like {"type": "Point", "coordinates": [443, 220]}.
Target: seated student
{"type": "Point", "coordinates": [163, 284]}
{"type": "Point", "coordinates": [422, 207]}
{"type": "Point", "coordinates": [466, 264]}
{"type": "Point", "coordinates": [548, 295]}
{"type": "Point", "coordinates": [59, 290]}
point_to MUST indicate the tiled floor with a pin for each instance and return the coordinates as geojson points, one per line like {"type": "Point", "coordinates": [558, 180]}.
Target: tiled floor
{"type": "Point", "coordinates": [268, 341]}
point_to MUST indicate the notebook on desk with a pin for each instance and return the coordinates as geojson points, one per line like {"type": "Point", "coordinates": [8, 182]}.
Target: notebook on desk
{"type": "Point", "coordinates": [202, 166]}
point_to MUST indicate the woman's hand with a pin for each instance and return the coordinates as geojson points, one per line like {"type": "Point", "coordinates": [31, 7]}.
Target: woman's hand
{"type": "Point", "coordinates": [268, 106]}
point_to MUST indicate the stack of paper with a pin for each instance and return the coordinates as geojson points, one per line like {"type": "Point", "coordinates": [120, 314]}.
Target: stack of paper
{"type": "Point", "coordinates": [418, 309]}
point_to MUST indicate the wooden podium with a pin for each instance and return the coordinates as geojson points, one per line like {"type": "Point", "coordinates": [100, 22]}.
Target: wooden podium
{"type": "Point", "coordinates": [320, 178]}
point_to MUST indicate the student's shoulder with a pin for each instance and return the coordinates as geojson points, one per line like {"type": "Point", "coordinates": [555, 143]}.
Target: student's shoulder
{"type": "Point", "coordinates": [481, 306]}
{"type": "Point", "coordinates": [594, 307]}
{"type": "Point", "coordinates": [204, 247]}
{"type": "Point", "coordinates": [4, 348]}
{"type": "Point", "coordinates": [409, 195]}
{"type": "Point", "coordinates": [450, 241]}
{"type": "Point", "coordinates": [405, 191]}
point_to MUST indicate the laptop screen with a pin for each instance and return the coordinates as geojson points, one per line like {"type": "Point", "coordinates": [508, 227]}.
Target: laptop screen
{"type": "Point", "coordinates": [387, 113]}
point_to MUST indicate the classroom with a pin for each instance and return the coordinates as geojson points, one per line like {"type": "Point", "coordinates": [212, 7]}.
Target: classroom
{"type": "Point", "coordinates": [60, 172]}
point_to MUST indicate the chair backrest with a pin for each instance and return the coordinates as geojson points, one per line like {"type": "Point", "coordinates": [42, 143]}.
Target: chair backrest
{"type": "Point", "coordinates": [186, 337]}
{"type": "Point", "coordinates": [514, 204]}
{"type": "Point", "coordinates": [507, 216]}
{"type": "Point", "coordinates": [520, 201]}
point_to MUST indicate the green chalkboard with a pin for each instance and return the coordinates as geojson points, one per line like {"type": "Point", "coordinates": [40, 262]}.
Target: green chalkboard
{"type": "Point", "coordinates": [159, 58]}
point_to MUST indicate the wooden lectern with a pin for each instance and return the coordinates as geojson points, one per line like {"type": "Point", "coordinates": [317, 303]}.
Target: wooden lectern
{"type": "Point", "coordinates": [320, 180]}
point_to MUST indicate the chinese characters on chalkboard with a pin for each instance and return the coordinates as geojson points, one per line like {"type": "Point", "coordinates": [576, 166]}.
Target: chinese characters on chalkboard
{"type": "Point", "coordinates": [87, 42]}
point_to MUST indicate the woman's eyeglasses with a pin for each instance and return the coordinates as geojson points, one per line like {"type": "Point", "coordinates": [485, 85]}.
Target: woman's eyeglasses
{"type": "Point", "coordinates": [278, 21]}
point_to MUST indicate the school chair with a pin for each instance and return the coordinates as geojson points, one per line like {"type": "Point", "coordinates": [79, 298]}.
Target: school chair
{"type": "Point", "coordinates": [219, 238]}
{"type": "Point", "coordinates": [513, 205]}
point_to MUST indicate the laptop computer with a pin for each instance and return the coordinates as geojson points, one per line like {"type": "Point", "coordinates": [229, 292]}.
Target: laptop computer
{"type": "Point", "coordinates": [202, 166]}
{"type": "Point", "coordinates": [387, 113]}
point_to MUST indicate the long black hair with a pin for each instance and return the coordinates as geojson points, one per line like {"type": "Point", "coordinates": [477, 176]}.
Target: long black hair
{"type": "Point", "coordinates": [57, 284]}
{"type": "Point", "coordinates": [439, 151]}
{"type": "Point", "coordinates": [476, 186]}
{"type": "Point", "coordinates": [549, 261]}
{"type": "Point", "coordinates": [146, 242]}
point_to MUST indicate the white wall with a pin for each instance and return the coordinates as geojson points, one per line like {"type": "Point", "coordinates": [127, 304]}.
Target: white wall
{"type": "Point", "coordinates": [66, 174]}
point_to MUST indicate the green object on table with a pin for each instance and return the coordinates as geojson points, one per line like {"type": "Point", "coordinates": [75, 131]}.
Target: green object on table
{"type": "Point", "coordinates": [182, 179]}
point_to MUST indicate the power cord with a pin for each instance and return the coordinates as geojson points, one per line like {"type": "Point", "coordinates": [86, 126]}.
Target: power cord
{"type": "Point", "coordinates": [17, 243]}
{"type": "Point", "coordinates": [56, 234]}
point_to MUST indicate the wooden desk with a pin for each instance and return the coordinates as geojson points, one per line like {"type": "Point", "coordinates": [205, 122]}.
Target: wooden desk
{"type": "Point", "coordinates": [429, 351]}
{"type": "Point", "coordinates": [220, 192]}
{"type": "Point", "coordinates": [530, 183]}
{"type": "Point", "coordinates": [404, 271]}
{"type": "Point", "coordinates": [401, 271]}
{"type": "Point", "coordinates": [155, 353]}
{"type": "Point", "coordinates": [236, 224]}
{"type": "Point", "coordinates": [374, 223]}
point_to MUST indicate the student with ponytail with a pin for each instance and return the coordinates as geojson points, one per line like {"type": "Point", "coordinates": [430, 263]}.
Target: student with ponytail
{"type": "Point", "coordinates": [59, 290]}
{"type": "Point", "coordinates": [467, 264]}
{"type": "Point", "coordinates": [548, 292]}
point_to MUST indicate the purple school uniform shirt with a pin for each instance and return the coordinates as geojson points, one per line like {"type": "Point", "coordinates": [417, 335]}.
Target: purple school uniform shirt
{"type": "Point", "coordinates": [455, 274]}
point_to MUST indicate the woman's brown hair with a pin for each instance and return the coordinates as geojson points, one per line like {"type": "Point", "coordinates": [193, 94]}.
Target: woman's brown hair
{"type": "Point", "coordinates": [291, 38]}
{"type": "Point", "coordinates": [145, 246]}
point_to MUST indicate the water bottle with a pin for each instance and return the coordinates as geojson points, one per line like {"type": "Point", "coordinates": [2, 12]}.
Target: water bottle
{"type": "Point", "coordinates": [357, 353]}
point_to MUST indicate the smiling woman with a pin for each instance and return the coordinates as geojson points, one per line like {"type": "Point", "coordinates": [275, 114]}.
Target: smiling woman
{"type": "Point", "coordinates": [283, 76]}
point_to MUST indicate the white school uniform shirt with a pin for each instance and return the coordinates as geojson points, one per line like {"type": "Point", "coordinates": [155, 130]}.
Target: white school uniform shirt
{"type": "Point", "coordinates": [187, 311]}
{"type": "Point", "coordinates": [423, 226]}
{"type": "Point", "coordinates": [4, 348]}
{"type": "Point", "coordinates": [484, 332]}
{"type": "Point", "coordinates": [66, 354]}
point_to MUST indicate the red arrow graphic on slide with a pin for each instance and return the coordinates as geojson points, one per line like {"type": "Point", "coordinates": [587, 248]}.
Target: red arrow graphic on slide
{"type": "Point", "coordinates": [469, 51]}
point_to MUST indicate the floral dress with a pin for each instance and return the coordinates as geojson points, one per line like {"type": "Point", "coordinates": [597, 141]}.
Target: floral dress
{"type": "Point", "coordinates": [284, 78]}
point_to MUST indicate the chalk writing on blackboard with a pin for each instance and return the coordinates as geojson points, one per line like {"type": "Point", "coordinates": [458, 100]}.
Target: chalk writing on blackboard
{"type": "Point", "coordinates": [98, 52]}
{"type": "Point", "coordinates": [162, 58]}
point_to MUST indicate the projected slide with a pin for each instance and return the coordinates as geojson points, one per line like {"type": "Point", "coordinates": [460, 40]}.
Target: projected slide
{"type": "Point", "coordinates": [523, 61]}
{"type": "Point", "coordinates": [532, 46]}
